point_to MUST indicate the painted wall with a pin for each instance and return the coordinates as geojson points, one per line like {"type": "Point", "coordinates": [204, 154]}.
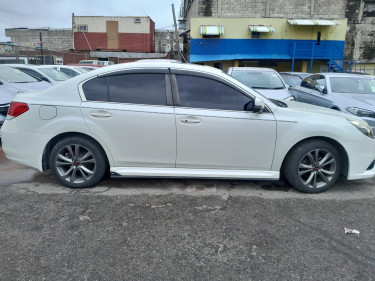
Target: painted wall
{"type": "Point", "coordinates": [236, 43]}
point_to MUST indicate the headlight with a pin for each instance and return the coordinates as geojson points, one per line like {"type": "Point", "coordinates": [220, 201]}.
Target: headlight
{"type": "Point", "coordinates": [289, 98]}
{"type": "Point", "coordinates": [363, 127]}
{"type": "Point", "coordinates": [361, 112]}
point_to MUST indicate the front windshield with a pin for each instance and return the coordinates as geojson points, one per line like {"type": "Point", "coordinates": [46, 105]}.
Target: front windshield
{"type": "Point", "coordinates": [13, 75]}
{"type": "Point", "coordinates": [291, 80]}
{"type": "Point", "coordinates": [259, 79]}
{"type": "Point", "coordinates": [358, 85]}
{"type": "Point", "coordinates": [54, 74]}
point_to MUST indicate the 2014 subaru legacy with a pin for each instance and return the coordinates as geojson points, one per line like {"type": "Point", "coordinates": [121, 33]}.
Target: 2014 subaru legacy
{"type": "Point", "coordinates": [165, 119]}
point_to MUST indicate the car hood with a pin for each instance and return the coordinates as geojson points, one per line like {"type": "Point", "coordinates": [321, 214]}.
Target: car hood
{"type": "Point", "coordinates": [30, 87]}
{"type": "Point", "coordinates": [308, 108]}
{"type": "Point", "coordinates": [277, 94]}
{"type": "Point", "coordinates": [366, 101]}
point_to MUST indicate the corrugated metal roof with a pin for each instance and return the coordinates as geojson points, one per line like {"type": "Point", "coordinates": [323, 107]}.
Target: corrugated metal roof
{"type": "Point", "coordinates": [261, 28]}
{"type": "Point", "coordinates": [313, 22]}
{"type": "Point", "coordinates": [128, 55]}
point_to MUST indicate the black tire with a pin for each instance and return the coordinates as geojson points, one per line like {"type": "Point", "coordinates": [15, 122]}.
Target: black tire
{"type": "Point", "coordinates": [77, 162]}
{"type": "Point", "coordinates": [313, 166]}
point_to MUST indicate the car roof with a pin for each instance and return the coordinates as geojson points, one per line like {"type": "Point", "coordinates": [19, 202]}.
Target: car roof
{"type": "Point", "coordinates": [252, 69]}
{"type": "Point", "coordinates": [335, 74]}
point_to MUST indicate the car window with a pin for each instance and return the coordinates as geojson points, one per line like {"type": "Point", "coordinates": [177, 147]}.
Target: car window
{"type": "Point", "coordinates": [96, 89]}
{"type": "Point", "coordinates": [54, 74]}
{"type": "Point", "coordinates": [128, 88]}
{"type": "Point", "coordinates": [360, 85]}
{"type": "Point", "coordinates": [259, 79]}
{"type": "Point", "coordinates": [199, 92]}
{"type": "Point", "coordinates": [13, 75]}
{"type": "Point", "coordinates": [69, 72]}
{"type": "Point", "coordinates": [319, 82]}
{"type": "Point", "coordinates": [32, 73]}
{"type": "Point", "coordinates": [308, 82]}
{"type": "Point", "coordinates": [138, 88]}
{"type": "Point", "coordinates": [291, 80]}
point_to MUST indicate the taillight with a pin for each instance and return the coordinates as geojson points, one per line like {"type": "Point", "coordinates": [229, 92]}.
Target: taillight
{"type": "Point", "coordinates": [17, 108]}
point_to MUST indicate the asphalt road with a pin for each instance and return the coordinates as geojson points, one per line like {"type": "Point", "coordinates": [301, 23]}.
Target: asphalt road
{"type": "Point", "coordinates": [153, 229]}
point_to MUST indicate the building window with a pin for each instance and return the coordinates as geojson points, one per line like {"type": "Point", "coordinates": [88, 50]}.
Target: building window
{"type": "Point", "coordinates": [255, 35]}
{"type": "Point", "coordinates": [82, 28]}
{"type": "Point", "coordinates": [137, 20]}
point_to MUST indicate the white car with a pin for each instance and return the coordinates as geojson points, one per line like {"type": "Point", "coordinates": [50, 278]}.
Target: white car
{"type": "Point", "coordinates": [266, 81]}
{"type": "Point", "coordinates": [167, 119]}
{"type": "Point", "coordinates": [42, 72]}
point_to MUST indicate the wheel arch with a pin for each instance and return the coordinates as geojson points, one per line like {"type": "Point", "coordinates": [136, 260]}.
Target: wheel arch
{"type": "Point", "coordinates": [331, 141]}
{"type": "Point", "coordinates": [57, 138]}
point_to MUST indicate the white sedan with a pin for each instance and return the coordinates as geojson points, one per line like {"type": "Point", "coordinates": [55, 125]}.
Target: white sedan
{"type": "Point", "coordinates": [165, 119]}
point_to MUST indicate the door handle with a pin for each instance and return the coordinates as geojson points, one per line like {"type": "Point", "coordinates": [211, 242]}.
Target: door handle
{"type": "Point", "coordinates": [190, 120]}
{"type": "Point", "coordinates": [100, 114]}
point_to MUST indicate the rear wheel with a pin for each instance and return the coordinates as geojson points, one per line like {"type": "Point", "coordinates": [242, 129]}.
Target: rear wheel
{"type": "Point", "coordinates": [77, 162]}
{"type": "Point", "coordinates": [313, 166]}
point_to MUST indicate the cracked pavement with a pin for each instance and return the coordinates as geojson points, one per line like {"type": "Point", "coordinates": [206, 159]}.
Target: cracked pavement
{"type": "Point", "coordinates": [182, 229]}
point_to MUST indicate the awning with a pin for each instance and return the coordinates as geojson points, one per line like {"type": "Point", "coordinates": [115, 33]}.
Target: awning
{"type": "Point", "coordinates": [212, 30]}
{"type": "Point", "coordinates": [261, 28]}
{"type": "Point", "coordinates": [313, 22]}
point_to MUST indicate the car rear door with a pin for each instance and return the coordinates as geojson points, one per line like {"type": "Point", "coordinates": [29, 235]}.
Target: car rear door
{"type": "Point", "coordinates": [213, 129]}
{"type": "Point", "coordinates": [132, 112]}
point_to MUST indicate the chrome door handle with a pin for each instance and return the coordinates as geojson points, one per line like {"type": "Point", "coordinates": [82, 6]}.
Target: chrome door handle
{"type": "Point", "coordinates": [190, 120]}
{"type": "Point", "coordinates": [100, 114]}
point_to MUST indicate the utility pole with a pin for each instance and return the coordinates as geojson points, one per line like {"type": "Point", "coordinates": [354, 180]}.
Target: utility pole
{"type": "Point", "coordinates": [41, 47]}
{"type": "Point", "coordinates": [176, 35]}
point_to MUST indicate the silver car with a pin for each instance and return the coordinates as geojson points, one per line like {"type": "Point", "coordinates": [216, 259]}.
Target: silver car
{"type": "Point", "coordinates": [350, 93]}
{"type": "Point", "coordinates": [12, 82]}
{"type": "Point", "coordinates": [264, 80]}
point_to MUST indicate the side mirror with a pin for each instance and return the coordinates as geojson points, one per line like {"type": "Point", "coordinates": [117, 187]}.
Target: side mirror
{"type": "Point", "coordinates": [255, 106]}
{"type": "Point", "coordinates": [322, 89]}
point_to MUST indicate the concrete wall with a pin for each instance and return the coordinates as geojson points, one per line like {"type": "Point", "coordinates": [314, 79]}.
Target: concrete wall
{"type": "Point", "coordinates": [53, 39]}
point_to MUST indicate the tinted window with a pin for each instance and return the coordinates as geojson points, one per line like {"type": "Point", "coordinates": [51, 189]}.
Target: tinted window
{"type": "Point", "coordinates": [96, 89]}
{"type": "Point", "coordinates": [32, 73]}
{"type": "Point", "coordinates": [201, 92]}
{"type": "Point", "coordinates": [138, 88]}
{"type": "Point", "coordinates": [69, 72]}
{"type": "Point", "coordinates": [358, 85]}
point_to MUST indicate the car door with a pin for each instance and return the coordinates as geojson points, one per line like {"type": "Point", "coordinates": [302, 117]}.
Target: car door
{"type": "Point", "coordinates": [214, 131]}
{"type": "Point", "coordinates": [319, 95]}
{"type": "Point", "coordinates": [301, 93]}
{"type": "Point", "coordinates": [132, 113]}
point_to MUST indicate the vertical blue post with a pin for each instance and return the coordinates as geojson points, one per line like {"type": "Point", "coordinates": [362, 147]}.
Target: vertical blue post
{"type": "Point", "coordinates": [330, 59]}
{"type": "Point", "coordinates": [294, 53]}
{"type": "Point", "coordinates": [312, 57]}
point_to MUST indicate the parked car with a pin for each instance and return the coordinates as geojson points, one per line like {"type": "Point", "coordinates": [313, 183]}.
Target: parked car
{"type": "Point", "coordinates": [71, 71]}
{"type": "Point", "coordinates": [12, 82]}
{"type": "Point", "coordinates": [291, 80]}
{"type": "Point", "coordinates": [350, 93]}
{"type": "Point", "coordinates": [167, 119]}
{"type": "Point", "coordinates": [42, 72]}
{"type": "Point", "coordinates": [265, 80]}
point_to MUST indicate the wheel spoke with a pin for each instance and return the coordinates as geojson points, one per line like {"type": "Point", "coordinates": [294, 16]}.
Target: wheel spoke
{"type": "Point", "coordinates": [304, 166]}
{"type": "Point", "coordinates": [305, 172]}
{"type": "Point", "coordinates": [73, 175]}
{"type": "Point", "coordinates": [87, 171]}
{"type": "Point", "coordinates": [325, 179]}
{"type": "Point", "coordinates": [84, 157]}
{"type": "Point", "coordinates": [76, 151]}
{"type": "Point", "coordinates": [59, 164]}
{"type": "Point", "coordinates": [324, 159]}
{"type": "Point", "coordinates": [329, 162]}
{"type": "Point", "coordinates": [307, 182]}
{"type": "Point", "coordinates": [316, 156]}
{"type": "Point", "coordinates": [311, 158]}
{"type": "Point", "coordinates": [329, 173]}
{"type": "Point", "coordinates": [314, 182]}
{"type": "Point", "coordinates": [66, 159]}
{"type": "Point", "coordinates": [69, 148]}
{"type": "Point", "coordinates": [66, 174]}
{"type": "Point", "coordinates": [85, 178]}
{"type": "Point", "coordinates": [88, 161]}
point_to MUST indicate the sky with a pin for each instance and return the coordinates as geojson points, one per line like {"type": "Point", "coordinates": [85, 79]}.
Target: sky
{"type": "Point", "coordinates": [58, 13]}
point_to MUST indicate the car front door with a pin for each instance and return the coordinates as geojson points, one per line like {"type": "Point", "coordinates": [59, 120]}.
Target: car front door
{"type": "Point", "coordinates": [214, 131]}
{"type": "Point", "coordinates": [133, 114]}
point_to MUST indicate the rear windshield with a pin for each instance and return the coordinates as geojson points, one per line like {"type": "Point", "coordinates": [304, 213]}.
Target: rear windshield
{"type": "Point", "coordinates": [12, 75]}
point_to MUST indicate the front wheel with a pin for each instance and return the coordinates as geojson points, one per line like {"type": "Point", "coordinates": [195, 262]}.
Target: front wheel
{"type": "Point", "coordinates": [77, 162]}
{"type": "Point", "coordinates": [313, 166]}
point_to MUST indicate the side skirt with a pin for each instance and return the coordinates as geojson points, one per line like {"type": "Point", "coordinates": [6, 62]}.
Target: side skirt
{"type": "Point", "coordinates": [193, 173]}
